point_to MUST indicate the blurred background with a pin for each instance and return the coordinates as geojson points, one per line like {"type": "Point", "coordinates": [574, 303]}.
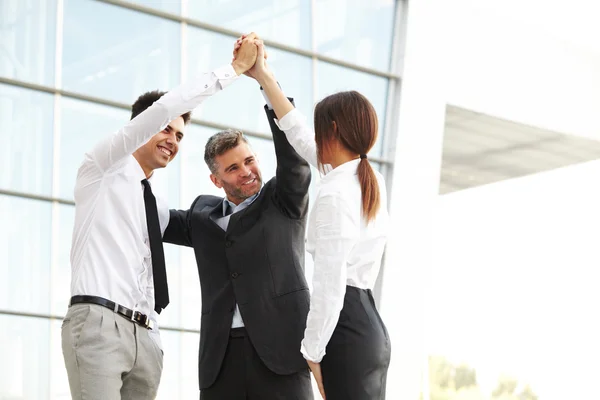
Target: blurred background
{"type": "Point", "coordinates": [489, 141]}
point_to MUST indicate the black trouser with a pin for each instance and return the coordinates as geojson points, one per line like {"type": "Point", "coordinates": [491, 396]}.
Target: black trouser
{"type": "Point", "coordinates": [358, 354]}
{"type": "Point", "coordinates": [243, 376]}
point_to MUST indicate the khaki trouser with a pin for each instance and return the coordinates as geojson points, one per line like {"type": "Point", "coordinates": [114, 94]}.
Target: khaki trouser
{"type": "Point", "coordinates": [109, 357]}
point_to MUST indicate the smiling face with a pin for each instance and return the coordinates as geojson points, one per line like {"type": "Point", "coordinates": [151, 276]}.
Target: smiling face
{"type": "Point", "coordinates": [161, 148]}
{"type": "Point", "coordinates": [238, 173]}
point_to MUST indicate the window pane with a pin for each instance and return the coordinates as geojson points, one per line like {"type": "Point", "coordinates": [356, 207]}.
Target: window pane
{"type": "Point", "coordinates": [28, 32]}
{"type": "Point", "coordinates": [172, 315]}
{"type": "Point", "coordinates": [195, 175]}
{"type": "Point", "coordinates": [26, 119]}
{"type": "Point", "coordinates": [190, 343]}
{"type": "Point", "coordinates": [241, 104]}
{"type": "Point", "coordinates": [356, 31]}
{"type": "Point", "coordinates": [191, 298]}
{"type": "Point", "coordinates": [281, 21]}
{"type": "Point", "coordinates": [194, 182]}
{"type": "Point", "coordinates": [166, 184]}
{"type": "Point", "coordinates": [121, 60]}
{"type": "Point", "coordinates": [24, 254]}
{"type": "Point", "coordinates": [59, 381]}
{"type": "Point", "coordinates": [25, 349]}
{"type": "Point", "coordinates": [332, 79]}
{"type": "Point", "coordinates": [61, 271]}
{"type": "Point", "coordinates": [170, 381]}
{"type": "Point", "coordinates": [83, 124]}
{"type": "Point", "coordinates": [170, 6]}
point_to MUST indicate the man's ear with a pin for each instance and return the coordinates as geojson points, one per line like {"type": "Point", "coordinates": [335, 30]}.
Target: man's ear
{"type": "Point", "coordinates": [216, 181]}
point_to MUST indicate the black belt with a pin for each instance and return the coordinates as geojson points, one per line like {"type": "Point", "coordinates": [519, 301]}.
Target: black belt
{"type": "Point", "coordinates": [135, 316]}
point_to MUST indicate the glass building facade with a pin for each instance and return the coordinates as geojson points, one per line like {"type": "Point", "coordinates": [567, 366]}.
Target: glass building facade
{"type": "Point", "coordinates": [69, 69]}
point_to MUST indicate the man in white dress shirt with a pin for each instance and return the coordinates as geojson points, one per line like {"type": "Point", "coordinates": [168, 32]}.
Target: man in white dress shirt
{"type": "Point", "coordinates": [110, 339]}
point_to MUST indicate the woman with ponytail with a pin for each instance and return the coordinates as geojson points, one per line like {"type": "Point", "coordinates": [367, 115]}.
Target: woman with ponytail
{"type": "Point", "coordinates": [345, 342]}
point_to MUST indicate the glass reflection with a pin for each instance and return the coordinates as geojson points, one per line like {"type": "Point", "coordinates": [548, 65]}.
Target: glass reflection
{"type": "Point", "coordinates": [121, 60]}
{"type": "Point", "coordinates": [61, 269]}
{"type": "Point", "coordinates": [25, 349]}
{"type": "Point", "coordinates": [356, 31]}
{"type": "Point", "coordinates": [27, 40]}
{"type": "Point", "coordinates": [25, 255]}
{"type": "Point", "coordinates": [170, 381]}
{"type": "Point", "coordinates": [170, 6]}
{"type": "Point", "coordinates": [281, 21]}
{"type": "Point", "coordinates": [83, 124]}
{"type": "Point", "coordinates": [26, 121]}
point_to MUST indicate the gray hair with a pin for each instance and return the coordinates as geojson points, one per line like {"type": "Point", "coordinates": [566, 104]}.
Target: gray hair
{"type": "Point", "coordinates": [219, 143]}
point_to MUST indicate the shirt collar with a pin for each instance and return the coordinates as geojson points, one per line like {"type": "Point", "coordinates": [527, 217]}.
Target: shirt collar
{"type": "Point", "coordinates": [346, 168]}
{"type": "Point", "coordinates": [233, 206]}
{"type": "Point", "coordinates": [139, 172]}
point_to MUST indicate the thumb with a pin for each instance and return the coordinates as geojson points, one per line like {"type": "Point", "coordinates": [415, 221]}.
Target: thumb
{"type": "Point", "coordinates": [261, 48]}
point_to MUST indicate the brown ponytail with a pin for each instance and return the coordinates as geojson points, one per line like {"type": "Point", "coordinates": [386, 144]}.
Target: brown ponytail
{"type": "Point", "coordinates": [351, 119]}
{"type": "Point", "coordinates": [369, 188]}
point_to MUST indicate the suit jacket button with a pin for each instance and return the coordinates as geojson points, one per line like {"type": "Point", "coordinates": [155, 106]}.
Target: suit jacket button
{"type": "Point", "coordinates": [235, 275]}
{"type": "Point", "coordinates": [228, 243]}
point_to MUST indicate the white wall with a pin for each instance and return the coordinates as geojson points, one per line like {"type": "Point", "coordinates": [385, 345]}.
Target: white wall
{"type": "Point", "coordinates": [420, 123]}
{"type": "Point", "coordinates": [514, 282]}
{"type": "Point", "coordinates": [531, 61]}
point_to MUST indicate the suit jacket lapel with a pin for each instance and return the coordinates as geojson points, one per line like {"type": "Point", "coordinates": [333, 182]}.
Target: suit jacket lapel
{"type": "Point", "coordinates": [210, 211]}
{"type": "Point", "coordinates": [248, 215]}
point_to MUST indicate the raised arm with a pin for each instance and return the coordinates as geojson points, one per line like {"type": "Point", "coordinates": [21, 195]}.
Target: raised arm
{"type": "Point", "coordinates": [293, 173]}
{"type": "Point", "coordinates": [176, 102]}
{"type": "Point", "coordinates": [290, 120]}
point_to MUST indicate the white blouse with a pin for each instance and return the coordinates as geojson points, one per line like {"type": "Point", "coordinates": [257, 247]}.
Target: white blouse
{"type": "Point", "coordinates": [345, 250]}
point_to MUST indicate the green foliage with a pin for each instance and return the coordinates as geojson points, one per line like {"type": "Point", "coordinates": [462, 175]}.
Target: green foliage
{"type": "Point", "coordinates": [459, 382]}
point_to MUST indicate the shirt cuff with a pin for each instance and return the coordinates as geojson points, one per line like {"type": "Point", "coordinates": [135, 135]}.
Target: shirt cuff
{"type": "Point", "coordinates": [290, 120]}
{"type": "Point", "coordinates": [223, 77]}
{"type": "Point", "coordinates": [269, 105]}
{"type": "Point", "coordinates": [308, 357]}
{"type": "Point", "coordinates": [226, 75]}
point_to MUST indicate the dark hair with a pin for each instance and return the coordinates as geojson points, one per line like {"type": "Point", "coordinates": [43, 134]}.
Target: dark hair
{"type": "Point", "coordinates": [147, 99]}
{"type": "Point", "coordinates": [219, 143]}
{"type": "Point", "coordinates": [350, 118]}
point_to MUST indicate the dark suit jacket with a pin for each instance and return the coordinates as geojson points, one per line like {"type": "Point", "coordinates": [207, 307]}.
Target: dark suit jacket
{"type": "Point", "coordinates": [258, 263]}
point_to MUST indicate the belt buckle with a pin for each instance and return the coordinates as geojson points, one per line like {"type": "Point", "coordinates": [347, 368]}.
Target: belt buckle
{"type": "Point", "coordinates": [141, 319]}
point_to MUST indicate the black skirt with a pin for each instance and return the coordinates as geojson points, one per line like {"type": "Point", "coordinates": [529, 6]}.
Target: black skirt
{"type": "Point", "coordinates": [358, 354]}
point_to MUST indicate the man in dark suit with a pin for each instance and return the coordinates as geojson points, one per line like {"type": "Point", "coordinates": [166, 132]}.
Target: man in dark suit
{"type": "Point", "coordinates": [249, 248]}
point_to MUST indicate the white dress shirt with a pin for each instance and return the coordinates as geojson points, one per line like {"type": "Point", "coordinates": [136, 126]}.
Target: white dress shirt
{"type": "Point", "coordinates": [110, 253]}
{"type": "Point", "coordinates": [345, 249]}
{"type": "Point", "coordinates": [223, 223]}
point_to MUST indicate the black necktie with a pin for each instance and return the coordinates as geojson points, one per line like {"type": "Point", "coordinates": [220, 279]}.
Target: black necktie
{"type": "Point", "coordinates": [159, 271]}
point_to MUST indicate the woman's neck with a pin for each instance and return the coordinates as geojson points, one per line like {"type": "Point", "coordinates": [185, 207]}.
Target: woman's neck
{"type": "Point", "coordinates": [340, 155]}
